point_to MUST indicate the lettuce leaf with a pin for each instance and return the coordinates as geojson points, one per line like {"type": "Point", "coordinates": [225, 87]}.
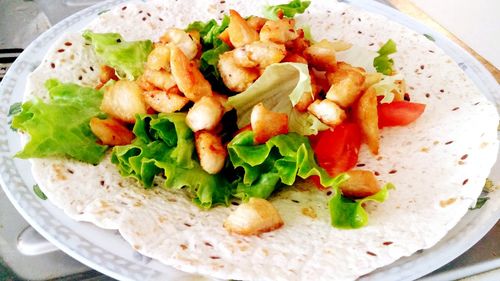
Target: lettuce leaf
{"type": "Point", "coordinates": [280, 160]}
{"type": "Point", "coordinates": [61, 127]}
{"type": "Point", "coordinates": [165, 146]}
{"type": "Point", "coordinates": [279, 89]}
{"type": "Point", "coordinates": [387, 86]}
{"type": "Point", "coordinates": [212, 47]}
{"type": "Point", "coordinates": [289, 10]}
{"type": "Point", "coordinates": [382, 62]}
{"type": "Point", "coordinates": [347, 213]}
{"type": "Point", "coordinates": [127, 58]}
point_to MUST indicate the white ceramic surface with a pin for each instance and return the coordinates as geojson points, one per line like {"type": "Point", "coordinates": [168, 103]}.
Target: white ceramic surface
{"type": "Point", "coordinates": [107, 252]}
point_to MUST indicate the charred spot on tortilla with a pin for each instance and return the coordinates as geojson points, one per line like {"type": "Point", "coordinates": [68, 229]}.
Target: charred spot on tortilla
{"type": "Point", "coordinates": [447, 202]}
{"type": "Point", "coordinates": [309, 212]}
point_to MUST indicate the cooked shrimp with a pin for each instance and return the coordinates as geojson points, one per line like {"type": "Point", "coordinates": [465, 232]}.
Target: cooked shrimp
{"type": "Point", "coordinates": [361, 183]}
{"type": "Point", "coordinates": [205, 114]}
{"type": "Point", "coordinates": [224, 36]}
{"type": "Point", "coordinates": [299, 44]}
{"type": "Point", "coordinates": [144, 84]}
{"type": "Point", "coordinates": [366, 115]}
{"type": "Point", "coordinates": [308, 97]}
{"type": "Point", "coordinates": [165, 101]}
{"type": "Point", "coordinates": [123, 100]}
{"type": "Point", "coordinates": [267, 124]}
{"type": "Point", "coordinates": [254, 217]}
{"type": "Point", "coordinates": [211, 151]}
{"type": "Point", "coordinates": [235, 77]}
{"type": "Point", "coordinates": [159, 58]}
{"type": "Point", "coordinates": [188, 77]}
{"type": "Point", "coordinates": [159, 78]}
{"type": "Point", "coordinates": [110, 131]}
{"type": "Point", "coordinates": [292, 57]}
{"type": "Point", "coordinates": [322, 55]}
{"type": "Point", "coordinates": [278, 31]}
{"type": "Point", "coordinates": [256, 22]}
{"type": "Point", "coordinates": [107, 73]}
{"type": "Point", "coordinates": [328, 112]}
{"type": "Point", "coordinates": [240, 32]}
{"type": "Point", "coordinates": [259, 54]}
{"type": "Point", "coordinates": [347, 85]}
{"type": "Point", "coordinates": [182, 40]}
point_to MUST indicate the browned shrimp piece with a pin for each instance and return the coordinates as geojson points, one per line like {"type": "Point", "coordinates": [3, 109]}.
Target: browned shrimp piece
{"type": "Point", "coordinates": [110, 131]}
{"type": "Point", "coordinates": [235, 77]}
{"type": "Point", "coordinates": [188, 77]}
{"type": "Point", "coordinates": [322, 56]}
{"type": "Point", "coordinates": [211, 151]}
{"type": "Point", "coordinates": [240, 32]}
{"type": "Point", "coordinates": [123, 101]}
{"type": "Point", "coordinates": [361, 183]}
{"type": "Point", "coordinates": [166, 101]}
{"type": "Point", "coordinates": [365, 112]}
{"type": "Point", "coordinates": [328, 112]}
{"type": "Point", "coordinates": [254, 217]}
{"type": "Point", "coordinates": [184, 41]}
{"type": "Point", "coordinates": [278, 31]}
{"type": "Point", "coordinates": [267, 124]}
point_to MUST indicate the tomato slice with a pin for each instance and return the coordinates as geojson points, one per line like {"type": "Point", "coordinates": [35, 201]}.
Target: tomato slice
{"type": "Point", "coordinates": [337, 149]}
{"type": "Point", "coordinates": [398, 113]}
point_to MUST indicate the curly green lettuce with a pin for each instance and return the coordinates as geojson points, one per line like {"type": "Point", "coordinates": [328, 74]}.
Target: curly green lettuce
{"type": "Point", "coordinates": [60, 127]}
{"type": "Point", "coordinates": [280, 161]}
{"type": "Point", "coordinates": [212, 46]}
{"type": "Point", "coordinates": [127, 58]}
{"type": "Point", "coordinates": [348, 213]}
{"type": "Point", "coordinates": [383, 63]}
{"type": "Point", "coordinates": [289, 10]}
{"type": "Point", "coordinates": [165, 146]}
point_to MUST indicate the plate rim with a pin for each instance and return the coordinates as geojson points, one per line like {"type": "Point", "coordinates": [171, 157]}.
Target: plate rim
{"type": "Point", "coordinates": [372, 6]}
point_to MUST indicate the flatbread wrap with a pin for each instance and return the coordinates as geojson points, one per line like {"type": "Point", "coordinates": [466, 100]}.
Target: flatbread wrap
{"type": "Point", "coordinates": [438, 164]}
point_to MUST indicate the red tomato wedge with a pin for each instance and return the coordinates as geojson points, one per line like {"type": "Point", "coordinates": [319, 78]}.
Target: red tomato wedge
{"type": "Point", "coordinates": [337, 149]}
{"type": "Point", "coordinates": [398, 113]}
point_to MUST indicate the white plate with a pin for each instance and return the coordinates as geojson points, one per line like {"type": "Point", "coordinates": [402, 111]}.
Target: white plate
{"type": "Point", "coordinates": [107, 252]}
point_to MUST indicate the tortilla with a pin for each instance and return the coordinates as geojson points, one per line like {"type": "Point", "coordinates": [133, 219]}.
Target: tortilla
{"type": "Point", "coordinates": [438, 164]}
